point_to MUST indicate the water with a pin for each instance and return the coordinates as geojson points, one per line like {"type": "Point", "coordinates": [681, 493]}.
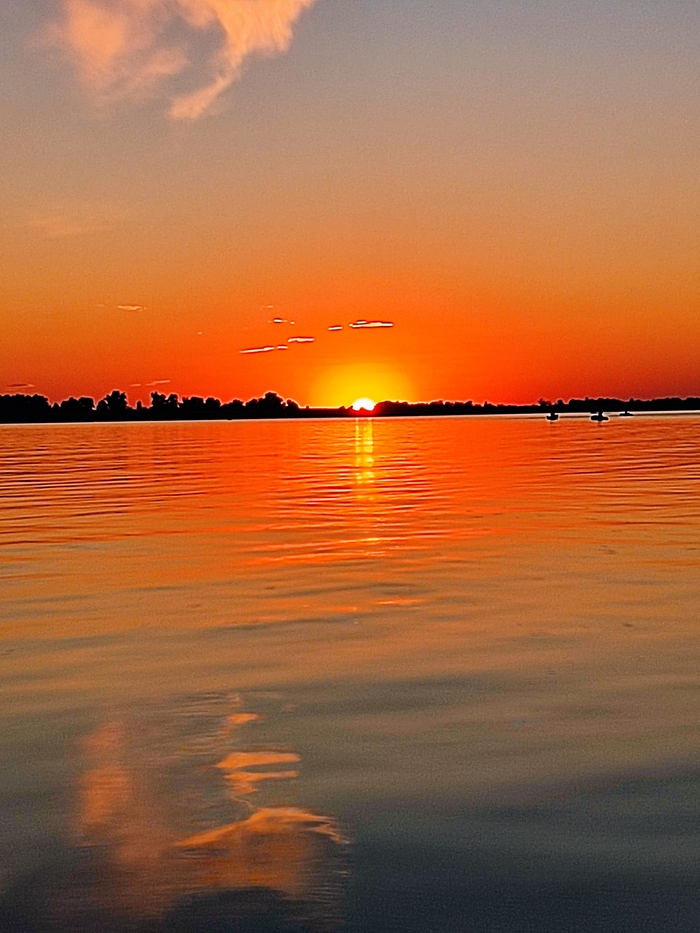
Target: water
{"type": "Point", "coordinates": [414, 675]}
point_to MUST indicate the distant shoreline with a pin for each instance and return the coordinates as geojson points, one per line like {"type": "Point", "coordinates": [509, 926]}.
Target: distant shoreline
{"type": "Point", "coordinates": [37, 409]}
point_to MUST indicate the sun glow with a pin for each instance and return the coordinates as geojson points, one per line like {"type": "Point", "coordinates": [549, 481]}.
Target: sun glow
{"type": "Point", "coordinates": [365, 380]}
{"type": "Point", "coordinates": [363, 404]}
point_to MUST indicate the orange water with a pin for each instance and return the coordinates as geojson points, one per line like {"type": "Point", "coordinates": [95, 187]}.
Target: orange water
{"type": "Point", "coordinates": [406, 638]}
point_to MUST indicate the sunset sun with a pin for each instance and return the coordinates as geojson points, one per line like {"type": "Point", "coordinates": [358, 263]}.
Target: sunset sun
{"type": "Point", "coordinates": [363, 404]}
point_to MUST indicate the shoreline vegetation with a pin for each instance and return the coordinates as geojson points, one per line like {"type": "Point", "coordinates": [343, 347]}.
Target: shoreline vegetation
{"type": "Point", "coordinates": [37, 409]}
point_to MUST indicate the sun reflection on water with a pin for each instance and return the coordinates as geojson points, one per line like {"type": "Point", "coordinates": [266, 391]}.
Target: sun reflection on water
{"type": "Point", "coordinates": [364, 453]}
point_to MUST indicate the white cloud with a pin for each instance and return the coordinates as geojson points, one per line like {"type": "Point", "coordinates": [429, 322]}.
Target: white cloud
{"type": "Point", "coordinates": [124, 48]}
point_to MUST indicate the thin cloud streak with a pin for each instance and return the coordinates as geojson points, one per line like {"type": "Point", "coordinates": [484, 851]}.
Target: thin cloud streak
{"type": "Point", "coordinates": [257, 350]}
{"type": "Point", "coordinates": [120, 49]}
{"type": "Point", "coordinates": [359, 325]}
{"type": "Point", "coordinates": [62, 221]}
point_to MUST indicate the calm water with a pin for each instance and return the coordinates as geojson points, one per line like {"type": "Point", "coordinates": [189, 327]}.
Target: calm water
{"type": "Point", "coordinates": [420, 676]}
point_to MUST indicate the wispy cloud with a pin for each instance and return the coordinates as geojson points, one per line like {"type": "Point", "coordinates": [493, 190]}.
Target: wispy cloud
{"type": "Point", "coordinates": [131, 308]}
{"type": "Point", "coordinates": [300, 339]}
{"type": "Point", "coordinates": [257, 350]}
{"type": "Point", "coordinates": [358, 325]}
{"type": "Point", "coordinates": [335, 327]}
{"type": "Point", "coordinates": [63, 220]}
{"type": "Point", "coordinates": [20, 385]}
{"type": "Point", "coordinates": [126, 48]}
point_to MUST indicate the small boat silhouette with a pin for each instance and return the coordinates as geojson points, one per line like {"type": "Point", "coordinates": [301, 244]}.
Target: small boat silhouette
{"type": "Point", "coordinates": [553, 416]}
{"type": "Point", "coordinates": [599, 417]}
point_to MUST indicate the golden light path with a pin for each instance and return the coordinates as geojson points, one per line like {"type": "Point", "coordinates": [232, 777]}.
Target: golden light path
{"type": "Point", "coordinates": [363, 404]}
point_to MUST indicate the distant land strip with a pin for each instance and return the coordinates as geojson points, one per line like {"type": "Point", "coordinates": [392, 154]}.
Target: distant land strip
{"type": "Point", "coordinates": [37, 409]}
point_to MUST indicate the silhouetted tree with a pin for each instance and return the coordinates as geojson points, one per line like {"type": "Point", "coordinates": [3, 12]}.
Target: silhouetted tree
{"type": "Point", "coordinates": [18, 409]}
{"type": "Point", "coordinates": [193, 408]}
{"type": "Point", "coordinates": [164, 408]}
{"type": "Point", "coordinates": [233, 409]}
{"type": "Point", "coordinates": [113, 407]}
{"type": "Point", "coordinates": [77, 409]}
{"type": "Point", "coordinates": [269, 406]}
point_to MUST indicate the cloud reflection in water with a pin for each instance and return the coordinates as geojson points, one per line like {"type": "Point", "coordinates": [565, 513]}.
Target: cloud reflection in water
{"type": "Point", "coordinates": [154, 851]}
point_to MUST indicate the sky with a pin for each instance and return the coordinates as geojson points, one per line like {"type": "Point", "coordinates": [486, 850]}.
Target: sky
{"type": "Point", "coordinates": [514, 187]}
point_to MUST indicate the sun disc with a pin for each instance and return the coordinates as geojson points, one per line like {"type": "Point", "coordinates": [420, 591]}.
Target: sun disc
{"type": "Point", "coordinates": [363, 404]}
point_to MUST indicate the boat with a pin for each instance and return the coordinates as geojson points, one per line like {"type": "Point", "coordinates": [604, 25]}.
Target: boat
{"type": "Point", "coordinates": [599, 417]}
{"type": "Point", "coordinates": [553, 416]}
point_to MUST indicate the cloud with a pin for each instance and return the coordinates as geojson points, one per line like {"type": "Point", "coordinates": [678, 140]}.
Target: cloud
{"type": "Point", "coordinates": [20, 385]}
{"type": "Point", "coordinates": [131, 308]}
{"type": "Point", "coordinates": [358, 325]}
{"type": "Point", "coordinates": [59, 221]}
{"type": "Point", "coordinates": [300, 339]}
{"type": "Point", "coordinates": [158, 382]}
{"type": "Point", "coordinates": [335, 327]}
{"type": "Point", "coordinates": [257, 350]}
{"type": "Point", "coordinates": [125, 49]}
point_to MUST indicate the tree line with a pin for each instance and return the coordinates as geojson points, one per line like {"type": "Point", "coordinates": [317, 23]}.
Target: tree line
{"type": "Point", "coordinates": [37, 409]}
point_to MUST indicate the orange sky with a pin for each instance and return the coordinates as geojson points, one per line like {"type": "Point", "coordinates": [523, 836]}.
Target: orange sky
{"type": "Point", "coordinates": [516, 190]}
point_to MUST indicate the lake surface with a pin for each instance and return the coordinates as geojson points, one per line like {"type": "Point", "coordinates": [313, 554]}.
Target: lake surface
{"type": "Point", "coordinates": [423, 675]}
